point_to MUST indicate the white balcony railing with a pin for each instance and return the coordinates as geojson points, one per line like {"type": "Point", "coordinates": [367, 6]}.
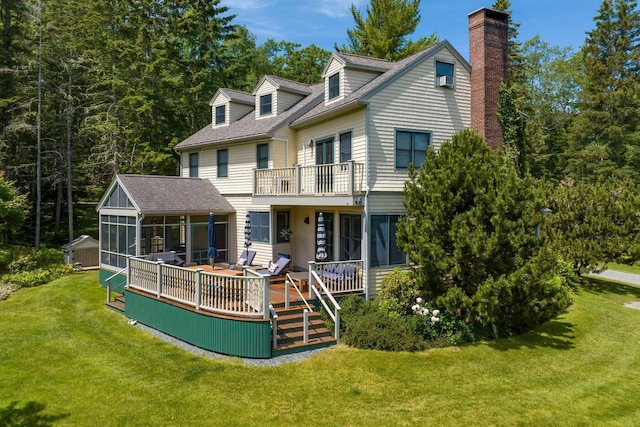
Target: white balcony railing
{"type": "Point", "coordinates": [339, 179]}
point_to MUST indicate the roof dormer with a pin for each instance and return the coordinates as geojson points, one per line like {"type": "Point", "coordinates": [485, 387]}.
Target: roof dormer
{"type": "Point", "coordinates": [228, 105]}
{"type": "Point", "coordinates": [345, 73]}
{"type": "Point", "coordinates": [273, 95]}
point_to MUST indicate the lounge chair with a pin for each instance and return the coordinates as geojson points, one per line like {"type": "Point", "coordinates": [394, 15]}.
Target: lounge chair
{"type": "Point", "coordinates": [245, 259]}
{"type": "Point", "coordinates": [276, 268]}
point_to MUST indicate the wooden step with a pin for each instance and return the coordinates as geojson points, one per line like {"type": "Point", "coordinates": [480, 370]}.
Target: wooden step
{"type": "Point", "coordinates": [299, 346]}
{"type": "Point", "coordinates": [117, 306]}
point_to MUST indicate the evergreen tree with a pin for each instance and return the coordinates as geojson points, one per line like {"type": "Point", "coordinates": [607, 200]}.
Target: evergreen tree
{"type": "Point", "coordinates": [516, 60]}
{"type": "Point", "coordinates": [605, 141]}
{"type": "Point", "coordinates": [470, 230]}
{"type": "Point", "coordinates": [385, 30]}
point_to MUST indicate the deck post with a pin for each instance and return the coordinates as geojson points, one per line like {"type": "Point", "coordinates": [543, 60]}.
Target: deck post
{"type": "Point", "coordinates": [159, 278]}
{"type": "Point", "coordinates": [312, 267]}
{"type": "Point", "coordinates": [305, 326]}
{"type": "Point", "coordinates": [198, 288]}
{"type": "Point", "coordinates": [337, 326]}
{"type": "Point", "coordinates": [297, 179]}
{"type": "Point", "coordinates": [265, 302]}
{"type": "Point", "coordinates": [108, 290]}
{"type": "Point", "coordinates": [286, 294]}
{"type": "Point", "coordinates": [128, 280]}
{"type": "Point", "coordinates": [352, 174]}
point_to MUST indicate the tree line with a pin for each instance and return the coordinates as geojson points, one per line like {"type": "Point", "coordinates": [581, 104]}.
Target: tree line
{"type": "Point", "coordinates": [88, 89]}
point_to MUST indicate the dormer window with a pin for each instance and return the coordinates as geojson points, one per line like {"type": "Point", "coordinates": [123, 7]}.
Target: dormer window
{"type": "Point", "coordinates": [334, 86]}
{"type": "Point", "coordinates": [220, 115]}
{"type": "Point", "coordinates": [265, 105]}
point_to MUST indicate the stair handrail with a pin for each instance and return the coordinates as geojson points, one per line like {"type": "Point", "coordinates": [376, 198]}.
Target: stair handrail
{"type": "Point", "coordinates": [292, 282]}
{"type": "Point", "coordinates": [108, 282]}
{"type": "Point", "coordinates": [335, 316]}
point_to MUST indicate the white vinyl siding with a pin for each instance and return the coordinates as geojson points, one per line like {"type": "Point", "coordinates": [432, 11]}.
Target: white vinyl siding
{"type": "Point", "coordinates": [284, 100]}
{"type": "Point", "coordinates": [233, 110]}
{"type": "Point", "coordinates": [266, 88]}
{"type": "Point", "coordinates": [353, 122]}
{"type": "Point", "coordinates": [355, 79]}
{"type": "Point", "coordinates": [413, 102]}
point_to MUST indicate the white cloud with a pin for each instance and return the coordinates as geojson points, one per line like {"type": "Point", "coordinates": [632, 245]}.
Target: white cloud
{"type": "Point", "coordinates": [337, 8]}
{"type": "Point", "coordinates": [246, 4]}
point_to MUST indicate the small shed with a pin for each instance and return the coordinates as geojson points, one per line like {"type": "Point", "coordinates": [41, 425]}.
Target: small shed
{"type": "Point", "coordinates": [83, 251]}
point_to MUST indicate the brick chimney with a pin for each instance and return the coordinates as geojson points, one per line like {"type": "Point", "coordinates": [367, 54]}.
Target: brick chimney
{"type": "Point", "coordinates": [489, 56]}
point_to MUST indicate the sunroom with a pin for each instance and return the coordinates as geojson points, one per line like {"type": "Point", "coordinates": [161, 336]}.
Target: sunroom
{"type": "Point", "coordinates": [142, 215]}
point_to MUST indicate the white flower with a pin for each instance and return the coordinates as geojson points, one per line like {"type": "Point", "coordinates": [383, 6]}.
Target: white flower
{"type": "Point", "coordinates": [434, 319]}
{"type": "Point", "coordinates": [436, 313]}
{"type": "Point", "coordinates": [416, 307]}
{"type": "Point", "coordinates": [419, 300]}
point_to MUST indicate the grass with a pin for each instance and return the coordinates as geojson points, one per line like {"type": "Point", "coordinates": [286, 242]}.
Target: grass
{"type": "Point", "coordinates": [67, 360]}
{"type": "Point", "coordinates": [624, 268]}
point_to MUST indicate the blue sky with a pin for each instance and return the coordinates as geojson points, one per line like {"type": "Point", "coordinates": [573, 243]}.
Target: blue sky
{"type": "Point", "coordinates": [325, 22]}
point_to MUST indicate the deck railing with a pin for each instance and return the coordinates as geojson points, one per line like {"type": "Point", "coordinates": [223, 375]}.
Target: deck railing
{"type": "Point", "coordinates": [246, 295]}
{"type": "Point", "coordinates": [345, 179]}
{"type": "Point", "coordinates": [340, 276]}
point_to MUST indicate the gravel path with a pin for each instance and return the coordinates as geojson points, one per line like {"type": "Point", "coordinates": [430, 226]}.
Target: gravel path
{"type": "Point", "coordinates": [274, 361]}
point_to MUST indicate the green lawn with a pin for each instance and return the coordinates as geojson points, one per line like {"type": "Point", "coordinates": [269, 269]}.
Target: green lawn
{"type": "Point", "coordinates": [67, 360]}
{"type": "Point", "coordinates": [635, 269]}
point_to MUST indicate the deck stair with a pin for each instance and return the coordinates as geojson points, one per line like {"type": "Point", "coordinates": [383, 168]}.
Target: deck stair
{"type": "Point", "coordinates": [291, 330]}
{"type": "Point", "coordinates": [117, 304]}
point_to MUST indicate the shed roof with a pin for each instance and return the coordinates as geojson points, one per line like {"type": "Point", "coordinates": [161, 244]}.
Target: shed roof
{"type": "Point", "coordinates": [85, 238]}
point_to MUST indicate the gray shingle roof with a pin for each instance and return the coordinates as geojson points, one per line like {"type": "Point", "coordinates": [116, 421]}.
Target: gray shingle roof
{"type": "Point", "coordinates": [361, 62]}
{"type": "Point", "coordinates": [235, 96]}
{"type": "Point", "coordinates": [284, 84]}
{"type": "Point", "coordinates": [154, 194]}
{"type": "Point", "coordinates": [248, 127]}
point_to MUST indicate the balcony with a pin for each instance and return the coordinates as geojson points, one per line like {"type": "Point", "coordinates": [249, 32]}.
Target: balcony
{"type": "Point", "coordinates": [340, 183]}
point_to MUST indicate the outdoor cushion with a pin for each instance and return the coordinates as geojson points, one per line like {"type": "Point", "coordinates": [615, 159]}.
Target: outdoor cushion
{"type": "Point", "coordinates": [241, 261]}
{"type": "Point", "coordinates": [272, 267]}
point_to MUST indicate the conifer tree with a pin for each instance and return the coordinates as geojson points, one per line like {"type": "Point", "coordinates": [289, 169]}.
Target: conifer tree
{"type": "Point", "coordinates": [605, 140]}
{"type": "Point", "coordinates": [384, 32]}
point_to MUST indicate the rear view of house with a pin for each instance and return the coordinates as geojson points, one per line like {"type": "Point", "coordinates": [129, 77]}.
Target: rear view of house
{"type": "Point", "coordinates": [287, 154]}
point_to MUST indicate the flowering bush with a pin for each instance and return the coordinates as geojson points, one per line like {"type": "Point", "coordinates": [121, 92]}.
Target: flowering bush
{"type": "Point", "coordinates": [286, 233]}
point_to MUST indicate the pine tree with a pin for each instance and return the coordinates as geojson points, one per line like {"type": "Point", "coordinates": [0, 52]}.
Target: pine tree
{"type": "Point", "coordinates": [385, 30]}
{"type": "Point", "coordinates": [606, 134]}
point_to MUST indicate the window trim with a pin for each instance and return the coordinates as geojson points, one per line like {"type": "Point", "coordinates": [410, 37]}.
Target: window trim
{"type": "Point", "coordinates": [438, 75]}
{"type": "Point", "coordinates": [258, 228]}
{"type": "Point", "coordinates": [194, 166]}
{"type": "Point", "coordinates": [259, 159]}
{"type": "Point", "coordinates": [222, 166]}
{"type": "Point", "coordinates": [340, 148]}
{"type": "Point", "coordinates": [217, 115]}
{"type": "Point", "coordinates": [372, 241]}
{"type": "Point", "coordinates": [333, 91]}
{"type": "Point", "coordinates": [264, 104]}
{"type": "Point", "coordinates": [413, 150]}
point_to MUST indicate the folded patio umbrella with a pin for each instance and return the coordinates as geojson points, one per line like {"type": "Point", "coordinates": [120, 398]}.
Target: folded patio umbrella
{"type": "Point", "coordinates": [212, 253]}
{"type": "Point", "coordinates": [321, 240]}
{"type": "Point", "coordinates": [247, 231]}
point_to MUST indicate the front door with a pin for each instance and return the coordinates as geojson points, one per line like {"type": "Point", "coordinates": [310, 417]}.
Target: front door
{"type": "Point", "coordinates": [350, 237]}
{"type": "Point", "coordinates": [324, 163]}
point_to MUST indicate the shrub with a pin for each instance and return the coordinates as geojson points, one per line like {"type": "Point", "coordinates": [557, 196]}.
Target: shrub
{"type": "Point", "coordinates": [37, 277]}
{"type": "Point", "coordinates": [398, 291]}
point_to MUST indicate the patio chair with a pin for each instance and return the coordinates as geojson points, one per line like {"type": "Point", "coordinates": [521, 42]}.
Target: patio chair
{"type": "Point", "coordinates": [245, 259]}
{"type": "Point", "coordinates": [276, 268]}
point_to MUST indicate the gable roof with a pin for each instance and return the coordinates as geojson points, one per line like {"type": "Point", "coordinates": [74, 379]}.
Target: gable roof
{"type": "Point", "coordinates": [154, 194]}
{"type": "Point", "coordinates": [78, 241]}
{"type": "Point", "coordinates": [284, 84]}
{"type": "Point", "coordinates": [361, 95]}
{"type": "Point", "coordinates": [358, 62]}
{"type": "Point", "coordinates": [234, 96]}
{"type": "Point", "coordinates": [248, 128]}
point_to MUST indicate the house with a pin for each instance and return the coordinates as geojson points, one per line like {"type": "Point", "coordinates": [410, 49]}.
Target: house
{"type": "Point", "coordinates": [289, 152]}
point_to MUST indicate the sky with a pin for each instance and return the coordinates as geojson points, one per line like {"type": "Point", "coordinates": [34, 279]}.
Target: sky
{"type": "Point", "coordinates": [325, 22]}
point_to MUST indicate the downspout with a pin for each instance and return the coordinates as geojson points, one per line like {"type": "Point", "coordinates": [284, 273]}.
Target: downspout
{"type": "Point", "coordinates": [139, 234]}
{"type": "Point", "coordinates": [367, 228]}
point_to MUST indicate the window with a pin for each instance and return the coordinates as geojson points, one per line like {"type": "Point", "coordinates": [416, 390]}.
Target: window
{"type": "Point", "coordinates": [444, 69]}
{"type": "Point", "coordinates": [345, 147]}
{"type": "Point", "coordinates": [262, 156]}
{"type": "Point", "coordinates": [411, 147]}
{"type": "Point", "coordinates": [220, 115]}
{"type": "Point", "coordinates": [265, 105]}
{"type": "Point", "coordinates": [118, 199]}
{"type": "Point", "coordinates": [282, 223]}
{"type": "Point", "coordinates": [200, 238]}
{"type": "Point", "coordinates": [334, 86]}
{"type": "Point", "coordinates": [384, 247]}
{"type": "Point", "coordinates": [259, 226]}
{"type": "Point", "coordinates": [350, 237]}
{"type": "Point", "coordinates": [193, 165]}
{"type": "Point", "coordinates": [117, 239]}
{"type": "Point", "coordinates": [223, 163]}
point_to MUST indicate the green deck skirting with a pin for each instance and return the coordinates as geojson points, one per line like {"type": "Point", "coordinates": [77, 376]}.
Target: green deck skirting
{"type": "Point", "coordinates": [222, 335]}
{"type": "Point", "coordinates": [117, 282]}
